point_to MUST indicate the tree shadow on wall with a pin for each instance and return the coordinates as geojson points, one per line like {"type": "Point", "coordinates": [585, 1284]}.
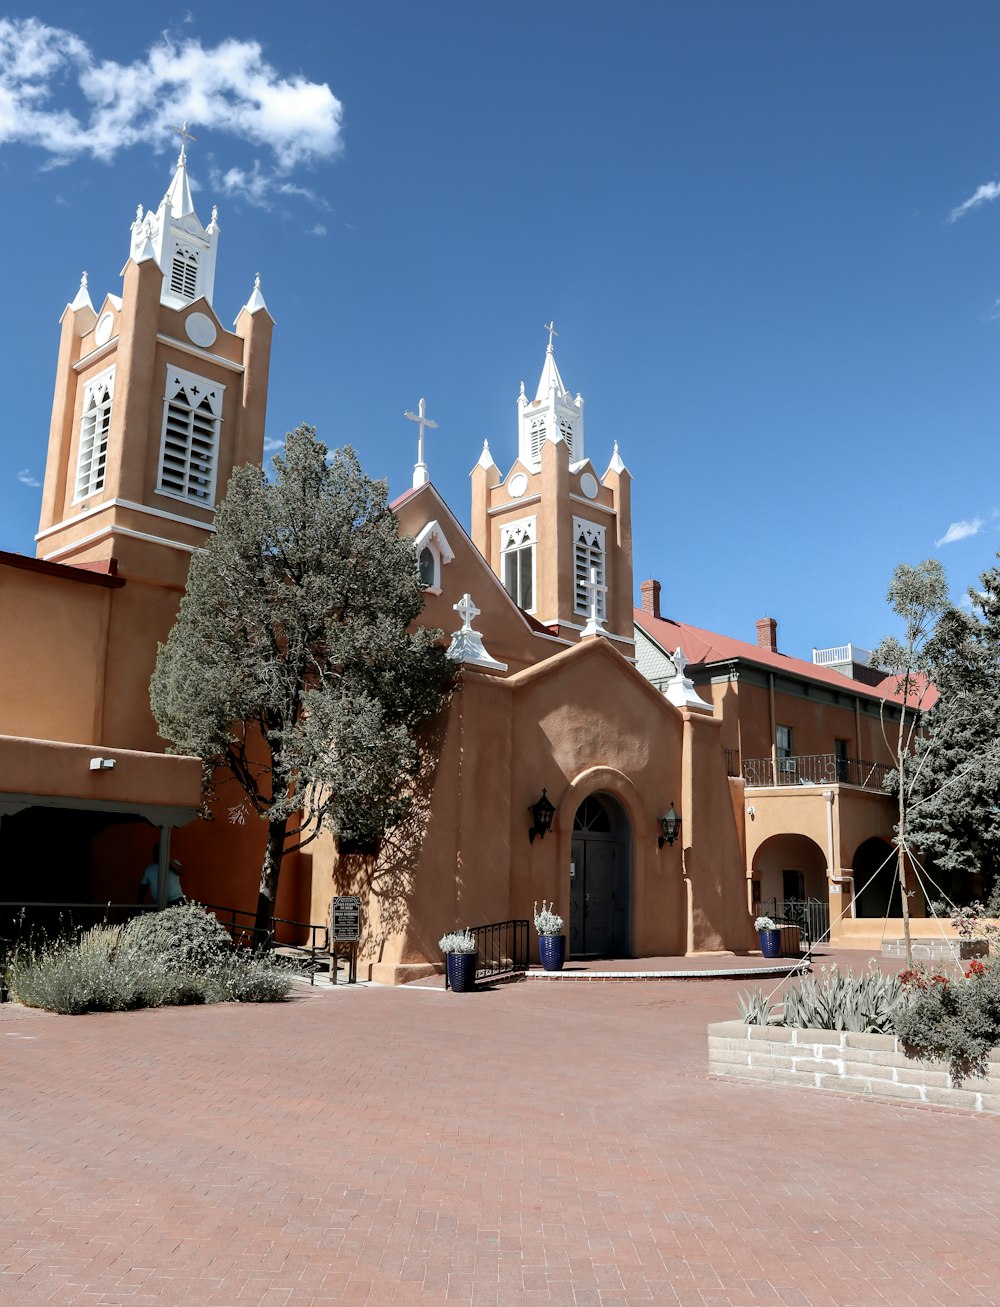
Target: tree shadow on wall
{"type": "Point", "coordinates": [385, 879]}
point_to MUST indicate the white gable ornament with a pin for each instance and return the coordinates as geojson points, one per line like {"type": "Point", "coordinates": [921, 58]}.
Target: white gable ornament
{"type": "Point", "coordinates": [467, 645]}
{"type": "Point", "coordinates": [680, 691]}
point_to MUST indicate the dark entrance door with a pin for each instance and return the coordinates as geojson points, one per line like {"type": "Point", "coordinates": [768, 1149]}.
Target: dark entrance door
{"type": "Point", "coordinates": [599, 883]}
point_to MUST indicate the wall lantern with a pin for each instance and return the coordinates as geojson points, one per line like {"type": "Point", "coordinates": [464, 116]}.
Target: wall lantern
{"type": "Point", "coordinates": [542, 813]}
{"type": "Point", "coordinates": [671, 824]}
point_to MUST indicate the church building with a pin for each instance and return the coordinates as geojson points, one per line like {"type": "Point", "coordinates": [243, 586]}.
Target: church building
{"type": "Point", "coordinates": [613, 718]}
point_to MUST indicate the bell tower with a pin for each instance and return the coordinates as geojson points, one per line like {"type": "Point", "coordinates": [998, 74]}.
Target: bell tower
{"type": "Point", "coordinates": [155, 401]}
{"type": "Point", "coordinates": [557, 535]}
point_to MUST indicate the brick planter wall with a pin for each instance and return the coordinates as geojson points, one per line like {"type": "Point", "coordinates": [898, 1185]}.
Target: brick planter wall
{"type": "Point", "coordinates": [840, 1060]}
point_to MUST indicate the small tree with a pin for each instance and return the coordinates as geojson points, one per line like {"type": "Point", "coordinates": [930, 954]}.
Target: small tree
{"type": "Point", "coordinates": [918, 595]}
{"type": "Point", "coordinates": [292, 666]}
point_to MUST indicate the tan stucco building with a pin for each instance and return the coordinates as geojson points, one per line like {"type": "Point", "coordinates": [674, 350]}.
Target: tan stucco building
{"type": "Point", "coordinates": [564, 689]}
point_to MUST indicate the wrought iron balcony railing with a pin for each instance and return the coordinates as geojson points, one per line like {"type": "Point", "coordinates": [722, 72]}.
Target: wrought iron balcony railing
{"type": "Point", "coordinates": [816, 769]}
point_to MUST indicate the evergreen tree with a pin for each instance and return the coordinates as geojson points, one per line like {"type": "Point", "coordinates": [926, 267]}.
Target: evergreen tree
{"type": "Point", "coordinates": [292, 666]}
{"type": "Point", "coordinates": [954, 799]}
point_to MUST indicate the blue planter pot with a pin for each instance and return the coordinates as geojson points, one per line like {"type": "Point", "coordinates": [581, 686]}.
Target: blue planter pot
{"type": "Point", "coordinates": [552, 951]}
{"type": "Point", "coordinates": [770, 943]}
{"type": "Point", "coordinates": [462, 971]}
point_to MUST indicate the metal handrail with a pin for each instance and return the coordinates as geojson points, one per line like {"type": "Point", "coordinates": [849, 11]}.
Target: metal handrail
{"type": "Point", "coordinates": [816, 769]}
{"type": "Point", "coordinates": [254, 935]}
{"type": "Point", "coordinates": [502, 949]}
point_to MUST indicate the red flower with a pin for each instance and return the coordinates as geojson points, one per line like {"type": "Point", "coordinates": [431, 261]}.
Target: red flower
{"type": "Point", "coordinates": [976, 968]}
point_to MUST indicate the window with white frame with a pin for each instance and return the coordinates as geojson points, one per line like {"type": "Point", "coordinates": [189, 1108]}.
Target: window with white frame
{"type": "Point", "coordinates": [432, 552]}
{"type": "Point", "coordinates": [537, 439]}
{"type": "Point", "coordinates": [95, 423]}
{"type": "Point", "coordinates": [184, 272]}
{"type": "Point", "coordinates": [189, 448]}
{"type": "Point", "coordinates": [517, 561]}
{"type": "Point", "coordinates": [588, 554]}
{"type": "Point", "coordinates": [566, 427]}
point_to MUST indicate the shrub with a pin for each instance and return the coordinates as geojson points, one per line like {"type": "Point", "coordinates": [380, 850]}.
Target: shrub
{"type": "Point", "coordinates": [183, 938]}
{"type": "Point", "coordinates": [764, 923]}
{"type": "Point", "coordinates": [114, 969]}
{"type": "Point", "coordinates": [866, 1002]}
{"type": "Point", "coordinates": [953, 1020]}
{"type": "Point", "coordinates": [548, 922]}
{"type": "Point", "coordinates": [458, 941]}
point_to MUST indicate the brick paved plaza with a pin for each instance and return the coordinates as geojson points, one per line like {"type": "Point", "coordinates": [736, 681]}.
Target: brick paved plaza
{"type": "Point", "coordinates": [532, 1144]}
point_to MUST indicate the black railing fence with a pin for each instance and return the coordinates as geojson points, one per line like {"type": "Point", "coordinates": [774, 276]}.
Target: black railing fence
{"type": "Point", "coordinates": [502, 950]}
{"type": "Point", "coordinates": [305, 957]}
{"type": "Point", "coordinates": [812, 916]}
{"type": "Point", "coordinates": [816, 769]}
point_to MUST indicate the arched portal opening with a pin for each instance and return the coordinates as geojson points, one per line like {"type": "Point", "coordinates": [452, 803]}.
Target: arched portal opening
{"type": "Point", "coordinates": [600, 880]}
{"type": "Point", "coordinates": [790, 867]}
{"type": "Point", "coordinates": [876, 880]}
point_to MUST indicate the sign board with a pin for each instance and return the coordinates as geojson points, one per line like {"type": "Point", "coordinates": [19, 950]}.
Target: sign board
{"type": "Point", "coordinates": [346, 918]}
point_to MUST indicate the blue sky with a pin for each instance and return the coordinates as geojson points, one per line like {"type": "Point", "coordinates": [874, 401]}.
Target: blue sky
{"type": "Point", "coordinates": [746, 221]}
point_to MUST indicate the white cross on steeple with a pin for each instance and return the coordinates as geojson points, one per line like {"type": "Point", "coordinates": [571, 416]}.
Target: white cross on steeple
{"type": "Point", "coordinates": [550, 327]}
{"type": "Point", "coordinates": [594, 589]}
{"type": "Point", "coordinates": [678, 660]}
{"type": "Point", "coordinates": [467, 611]}
{"type": "Point", "coordinates": [420, 474]}
{"type": "Point", "coordinates": [185, 136]}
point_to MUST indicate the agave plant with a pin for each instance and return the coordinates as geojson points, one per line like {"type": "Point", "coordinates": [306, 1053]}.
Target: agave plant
{"type": "Point", "coordinates": [865, 1002]}
{"type": "Point", "coordinates": [757, 1010]}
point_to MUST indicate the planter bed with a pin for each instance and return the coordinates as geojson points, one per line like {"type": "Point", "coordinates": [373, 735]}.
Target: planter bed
{"type": "Point", "coordinates": [846, 1062]}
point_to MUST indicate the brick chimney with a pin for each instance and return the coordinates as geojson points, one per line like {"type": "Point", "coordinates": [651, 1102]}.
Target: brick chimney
{"type": "Point", "coordinates": [767, 634]}
{"type": "Point", "coordinates": [650, 591]}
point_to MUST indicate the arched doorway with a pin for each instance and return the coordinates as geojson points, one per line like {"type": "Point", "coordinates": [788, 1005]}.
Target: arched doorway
{"type": "Point", "coordinates": [876, 880]}
{"type": "Point", "coordinates": [600, 875]}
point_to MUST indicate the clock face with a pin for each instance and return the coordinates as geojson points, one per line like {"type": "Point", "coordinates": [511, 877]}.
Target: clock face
{"type": "Point", "coordinates": [200, 329]}
{"type": "Point", "coordinates": [518, 485]}
{"type": "Point", "coordinates": [589, 486]}
{"type": "Point", "coordinates": [104, 328]}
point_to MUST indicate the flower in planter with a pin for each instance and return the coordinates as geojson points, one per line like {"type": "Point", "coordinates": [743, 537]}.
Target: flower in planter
{"type": "Point", "coordinates": [548, 922]}
{"type": "Point", "coordinates": [764, 923]}
{"type": "Point", "coordinates": [458, 941]}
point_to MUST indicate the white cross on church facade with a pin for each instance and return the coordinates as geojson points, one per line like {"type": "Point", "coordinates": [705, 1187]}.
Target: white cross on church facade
{"type": "Point", "coordinates": [595, 590]}
{"type": "Point", "coordinates": [420, 473]}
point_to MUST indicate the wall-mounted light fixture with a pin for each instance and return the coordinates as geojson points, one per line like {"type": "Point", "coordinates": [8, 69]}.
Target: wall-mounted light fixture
{"type": "Point", "coordinates": [542, 813]}
{"type": "Point", "coordinates": [102, 764]}
{"type": "Point", "coordinates": [671, 824]}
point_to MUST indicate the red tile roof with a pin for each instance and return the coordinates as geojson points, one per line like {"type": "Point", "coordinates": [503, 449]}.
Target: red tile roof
{"type": "Point", "coordinates": [708, 647]}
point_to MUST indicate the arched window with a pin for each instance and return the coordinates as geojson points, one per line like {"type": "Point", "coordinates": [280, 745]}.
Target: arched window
{"type": "Point", "coordinates": [537, 439]}
{"type": "Point", "coordinates": [189, 448]}
{"type": "Point", "coordinates": [428, 567]}
{"type": "Point", "coordinates": [95, 424]}
{"type": "Point", "coordinates": [588, 553]}
{"type": "Point", "coordinates": [517, 558]}
{"type": "Point", "coordinates": [184, 272]}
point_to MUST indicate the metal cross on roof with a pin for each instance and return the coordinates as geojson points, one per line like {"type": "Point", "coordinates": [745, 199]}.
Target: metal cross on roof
{"type": "Point", "coordinates": [550, 327]}
{"type": "Point", "coordinates": [679, 661]}
{"type": "Point", "coordinates": [420, 470]}
{"type": "Point", "coordinates": [595, 589]}
{"type": "Point", "coordinates": [466, 610]}
{"type": "Point", "coordinates": [185, 136]}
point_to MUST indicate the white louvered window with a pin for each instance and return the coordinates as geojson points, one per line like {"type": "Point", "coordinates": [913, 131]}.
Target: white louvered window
{"type": "Point", "coordinates": [588, 552]}
{"type": "Point", "coordinates": [517, 558]}
{"type": "Point", "coordinates": [92, 461]}
{"type": "Point", "coordinates": [566, 427]}
{"type": "Point", "coordinates": [184, 272]}
{"type": "Point", "coordinates": [189, 449]}
{"type": "Point", "coordinates": [537, 439]}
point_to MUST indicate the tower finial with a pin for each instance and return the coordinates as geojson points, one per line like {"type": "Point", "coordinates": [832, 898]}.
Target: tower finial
{"type": "Point", "coordinates": [550, 327]}
{"type": "Point", "coordinates": [185, 136]}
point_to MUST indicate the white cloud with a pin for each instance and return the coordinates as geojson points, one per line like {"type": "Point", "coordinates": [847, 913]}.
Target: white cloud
{"type": "Point", "coordinates": [271, 445]}
{"type": "Point", "coordinates": [230, 86]}
{"type": "Point", "coordinates": [988, 191]}
{"type": "Point", "coordinates": [960, 531]}
{"type": "Point", "coordinates": [26, 479]}
{"type": "Point", "coordinates": [318, 230]}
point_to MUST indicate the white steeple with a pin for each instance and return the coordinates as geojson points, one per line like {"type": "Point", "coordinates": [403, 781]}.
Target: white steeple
{"type": "Point", "coordinates": [82, 297]}
{"type": "Point", "coordinates": [184, 250]}
{"type": "Point", "coordinates": [552, 415]}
